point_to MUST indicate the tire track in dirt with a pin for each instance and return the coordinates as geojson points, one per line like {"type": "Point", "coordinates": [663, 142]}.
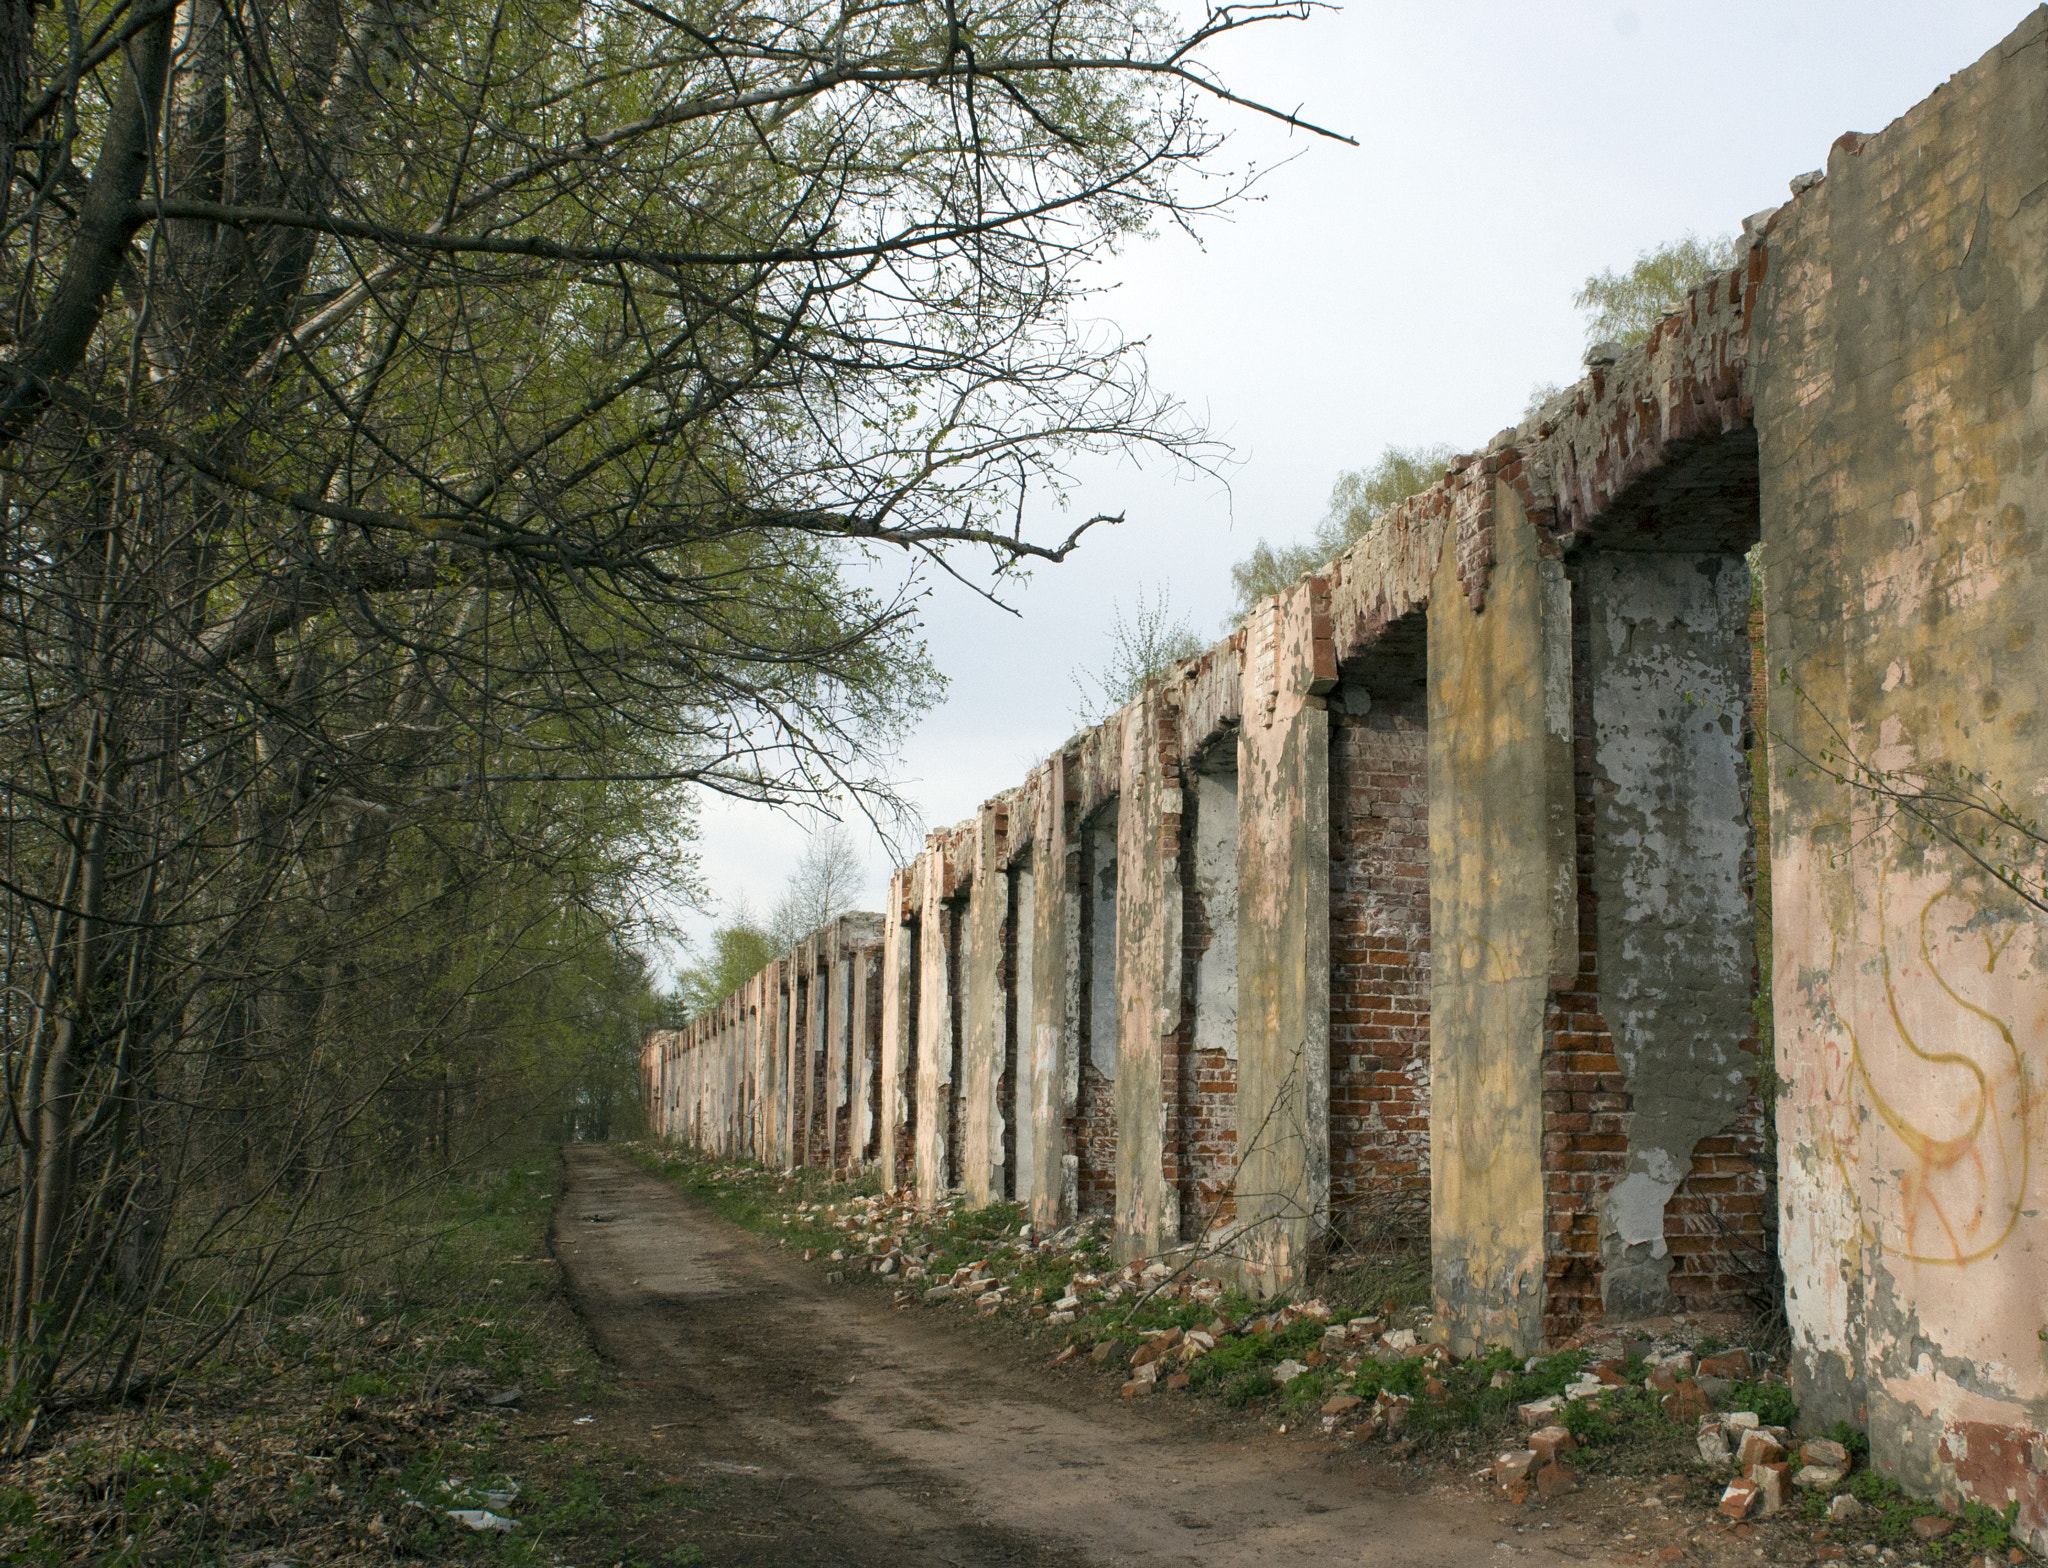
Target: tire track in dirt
{"type": "Point", "coordinates": [845, 1432]}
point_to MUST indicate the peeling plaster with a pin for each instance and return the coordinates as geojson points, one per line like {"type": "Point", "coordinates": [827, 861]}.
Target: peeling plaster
{"type": "Point", "coordinates": [1668, 665]}
{"type": "Point", "coordinates": [1216, 885]}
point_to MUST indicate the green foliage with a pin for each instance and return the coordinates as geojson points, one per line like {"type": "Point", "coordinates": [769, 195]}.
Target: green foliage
{"type": "Point", "coordinates": [1855, 1439]}
{"type": "Point", "coordinates": [1622, 307]}
{"type": "Point", "coordinates": [1894, 1510]}
{"type": "Point", "coordinates": [1988, 1529]}
{"type": "Point", "coordinates": [577, 1504]}
{"type": "Point", "coordinates": [1358, 499]}
{"type": "Point", "coordinates": [1772, 1402]}
{"type": "Point", "coordinates": [574, 443]}
{"type": "Point", "coordinates": [1241, 1367]}
{"type": "Point", "coordinates": [1305, 1388]}
{"type": "Point", "coordinates": [738, 952]}
{"type": "Point", "coordinates": [30, 1540]}
{"type": "Point", "coordinates": [1407, 1376]}
{"type": "Point", "coordinates": [1142, 648]}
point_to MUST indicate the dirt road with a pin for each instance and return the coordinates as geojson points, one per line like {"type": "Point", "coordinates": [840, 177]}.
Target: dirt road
{"type": "Point", "coordinates": [845, 1432]}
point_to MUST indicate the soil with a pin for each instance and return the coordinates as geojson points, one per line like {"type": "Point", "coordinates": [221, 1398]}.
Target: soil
{"type": "Point", "coordinates": [841, 1430]}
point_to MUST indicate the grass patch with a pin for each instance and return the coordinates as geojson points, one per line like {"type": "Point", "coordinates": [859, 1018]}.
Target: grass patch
{"type": "Point", "coordinates": [1453, 1407]}
{"type": "Point", "coordinates": [347, 1418]}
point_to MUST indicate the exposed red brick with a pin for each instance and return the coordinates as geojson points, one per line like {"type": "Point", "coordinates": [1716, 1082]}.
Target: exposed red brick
{"type": "Point", "coordinates": [1379, 972]}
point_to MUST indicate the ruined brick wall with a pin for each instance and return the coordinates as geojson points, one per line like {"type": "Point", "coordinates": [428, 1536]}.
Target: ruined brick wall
{"type": "Point", "coordinates": [1713, 1221]}
{"type": "Point", "coordinates": [954, 1109]}
{"type": "Point", "coordinates": [800, 1091]}
{"type": "Point", "coordinates": [1007, 1078]}
{"type": "Point", "coordinates": [1094, 1140]}
{"type": "Point", "coordinates": [871, 1037]}
{"type": "Point", "coordinates": [818, 1151]}
{"type": "Point", "coordinates": [1379, 973]}
{"type": "Point", "coordinates": [1091, 1133]}
{"type": "Point", "coordinates": [1586, 1103]}
{"type": "Point", "coordinates": [1587, 937]}
{"type": "Point", "coordinates": [905, 1174]}
{"type": "Point", "coordinates": [1902, 412]}
{"type": "Point", "coordinates": [845, 1046]}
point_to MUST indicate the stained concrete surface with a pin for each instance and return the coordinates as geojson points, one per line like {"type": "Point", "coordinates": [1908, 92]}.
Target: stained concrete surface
{"type": "Point", "coordinates": [1670, 664]}
{"type": "Point", "coordinates": [1501, 848]}
{"type": "Point", "coordinates": [888, 1437]}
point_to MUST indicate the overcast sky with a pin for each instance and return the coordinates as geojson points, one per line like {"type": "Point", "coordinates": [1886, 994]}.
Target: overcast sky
{"type": "Point", "coordinates": [1409, 290]}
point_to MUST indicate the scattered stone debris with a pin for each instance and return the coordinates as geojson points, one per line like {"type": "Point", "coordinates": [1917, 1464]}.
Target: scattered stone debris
{"type": "Point", "coordinates": [1358, 1379]}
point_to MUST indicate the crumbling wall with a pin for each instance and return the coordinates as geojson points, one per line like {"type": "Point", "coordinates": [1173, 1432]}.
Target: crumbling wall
{"type": "Point", "coordinates": [1379, 965]}
{"type": "Point", "coordinates": [937, 1022]}
{"type": "Point", "coordinates": [902, 968]}
{"type": "Point", "coordinates": [983, 946]}
{"type": "Point", "coordinates": [1094, 1129]}
{"type": "Point", "coordinates": [1902, 410]}
{"type": "Point", "coordinates": [1559, 633]}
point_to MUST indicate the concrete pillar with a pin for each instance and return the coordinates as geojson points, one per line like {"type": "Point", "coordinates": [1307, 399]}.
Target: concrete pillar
{"type": "Point", "coordinates": [760, 1063]}
{"type": "Point", "coordinates": [898, 1064]}
{"type": "Point", "coordinates": [720, 1079]}
{"type": "Point", "coordinates": [867, 974]}
{"type": "Point", "coordinates": [735, 1074]}
{"type": "Point", "coordinates": [835, 982]}
{"type": "Point", "coordinates": [818, 973]}
{"type": "Point", "coordinates": [789, 1045]}
{"type": "Point", "coordinates": [935, 1042]}
{"type": "Point", "coordinates": [728, 1027]}
{"type": "Point", "coordinates": [1148, 962]}
{"type": "Point", "coordinates": [1503, 923]}
{"type": "Point", "coordinates": [848, 951]}
{"type": "Point", "coordinates": [1283, 937]}
{"type": "Point", "coordinates": [1092, 912]}
{"type": "Point", "coordinates": [979, 1172]}
{"type": "Point", "coordinates": [1023, 999]}
{"type": "Point", "coordinates": [800, 989]}
{"type": "Point", "coordinates": [1053, 1076]}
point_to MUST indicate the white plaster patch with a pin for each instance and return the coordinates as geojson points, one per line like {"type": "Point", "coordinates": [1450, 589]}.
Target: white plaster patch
{"type": "Point", "coordinates": [1216, 886]}
{"type": "Point", "coordinates": [1635, 1209]}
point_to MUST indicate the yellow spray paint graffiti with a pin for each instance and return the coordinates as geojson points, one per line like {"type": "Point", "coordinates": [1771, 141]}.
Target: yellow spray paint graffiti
{"type": "Point", "coordinates": [1933, 1054]}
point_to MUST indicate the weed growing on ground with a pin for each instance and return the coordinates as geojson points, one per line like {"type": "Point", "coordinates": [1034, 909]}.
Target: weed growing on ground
{"type": "Point", "coordinates": [1772, 1402]}
{"type": "Point", "coordinates": [348, 1418]}
{"type": "Point", "coordinates": [1451, 1407]}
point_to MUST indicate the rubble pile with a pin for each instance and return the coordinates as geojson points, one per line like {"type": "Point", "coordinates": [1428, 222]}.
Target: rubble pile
{"type": "Point", "coordinates": [1619, 1401]}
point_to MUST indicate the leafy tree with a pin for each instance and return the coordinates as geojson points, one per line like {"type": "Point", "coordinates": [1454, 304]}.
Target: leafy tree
{"type": "Point", "coordinates": [1142, 648]}
{"type": "Point", "coordinates": [825, 885]}
{"type": "Point", "coordinates": [1358, 500]}
{"type": "Point", "coordinates": [739, 951]}
{"type": "Point", "coordinates": [1622, 307]}
{"type": "Point", "coordinates": [432, 442]}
